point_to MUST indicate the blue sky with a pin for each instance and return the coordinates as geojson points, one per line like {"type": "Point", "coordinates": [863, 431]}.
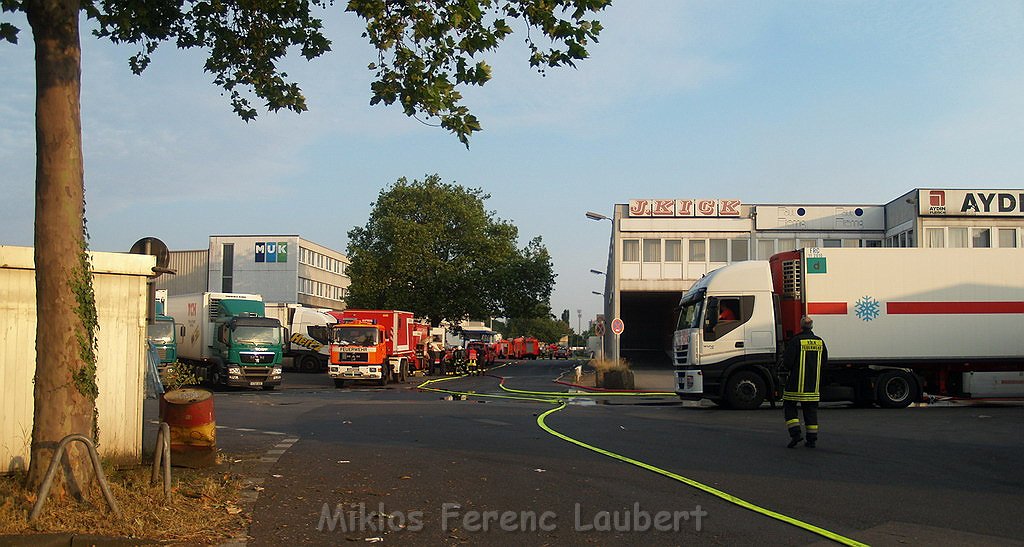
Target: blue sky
{"type": "Point", "coordinates": [767, 102]}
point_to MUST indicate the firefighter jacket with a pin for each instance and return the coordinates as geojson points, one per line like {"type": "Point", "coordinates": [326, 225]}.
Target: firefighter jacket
{"type": "Point", "coordinates": [803, 357]}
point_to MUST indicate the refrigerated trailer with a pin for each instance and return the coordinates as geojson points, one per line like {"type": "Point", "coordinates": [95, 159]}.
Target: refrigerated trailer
{"type": "Point", "coordinates": [898, 323]}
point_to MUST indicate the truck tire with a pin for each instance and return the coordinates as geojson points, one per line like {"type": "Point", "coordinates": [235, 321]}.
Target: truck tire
{"type": "Point", "coordinates": [383, 381]}
{"type": "Point", "coordinates": [403, 372]}
{"type": "Point", "coordinates": [339, 383]}
{"type": "Point", "coordinates": [309, 363]}
{"type": "Point", "coordinates": [745, 390]}
{"type": "Point", "coordinates": [896, 389]}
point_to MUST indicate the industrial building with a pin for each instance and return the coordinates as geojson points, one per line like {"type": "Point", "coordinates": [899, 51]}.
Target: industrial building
{"type": "Point", "coordinates": [281, 268]}
{"type": "Point", "coordinates": [660, 247]}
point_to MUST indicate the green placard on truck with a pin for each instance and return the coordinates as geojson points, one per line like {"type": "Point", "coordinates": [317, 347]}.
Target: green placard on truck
{"type": "Point", "coordinates": [816, 265]}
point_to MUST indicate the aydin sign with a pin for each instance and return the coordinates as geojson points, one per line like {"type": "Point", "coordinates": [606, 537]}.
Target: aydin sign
{"type": "Point", "coordinates": [1002, 203]}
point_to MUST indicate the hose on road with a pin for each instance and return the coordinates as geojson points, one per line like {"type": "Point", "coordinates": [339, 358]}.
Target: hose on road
{"type": "Point", "coordinates": [559, 398]}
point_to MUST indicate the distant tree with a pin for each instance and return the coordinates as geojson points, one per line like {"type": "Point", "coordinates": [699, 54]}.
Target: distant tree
{"type": "Point", "coordinates": [565, 316]}
{"type": "Point", "coordinates": [426, 50]}
{"type": "Point", "coordinates": [432, 248]}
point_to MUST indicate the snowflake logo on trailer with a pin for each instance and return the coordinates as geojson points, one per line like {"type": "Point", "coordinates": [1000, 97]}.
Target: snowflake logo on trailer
{"type": "Point", "coordinates": [867, 308]}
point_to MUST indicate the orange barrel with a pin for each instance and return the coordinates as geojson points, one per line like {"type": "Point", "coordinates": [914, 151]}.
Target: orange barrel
{"type": "Point", "coordinates": [189, 414]}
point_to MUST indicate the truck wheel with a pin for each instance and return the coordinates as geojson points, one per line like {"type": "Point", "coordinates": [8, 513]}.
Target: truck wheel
{"type": "Point", "coordinates": [896, 389]}
{"type": "Point", "coordinates": [339, 383]}
{"type": "Point", "coordinates": [309, 363]}
{"type": "Point", "coordinates": [403, 371]}
{"type": "Point", "coordinates": [383, 377]}
{"type": "Point", "coordinates": [745, 390]}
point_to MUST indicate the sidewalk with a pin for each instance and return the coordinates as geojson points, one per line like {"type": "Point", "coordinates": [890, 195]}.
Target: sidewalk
{"type": "Point", "coordinates": [644, 379]}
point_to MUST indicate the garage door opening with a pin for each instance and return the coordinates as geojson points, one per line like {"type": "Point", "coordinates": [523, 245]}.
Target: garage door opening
{"type": "Point", "coordinates": [650, 319]}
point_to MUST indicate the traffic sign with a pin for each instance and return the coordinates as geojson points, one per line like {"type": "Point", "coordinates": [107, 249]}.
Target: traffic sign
{"type": "Point", "coordinates": [618, 326]}
{"type": "Point", "coordinates": [599, 328]}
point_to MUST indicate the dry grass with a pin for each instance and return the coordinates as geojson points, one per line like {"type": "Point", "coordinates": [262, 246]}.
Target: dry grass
{"type": "Point", "coordinates": [605, 365]}
{"type": "Point", "coordinates": [203, 508]}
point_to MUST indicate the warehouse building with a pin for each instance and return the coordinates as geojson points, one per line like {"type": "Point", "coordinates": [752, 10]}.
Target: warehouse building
{"type": "Point", "coordinates": [660, 247]}
{"type": "Point", "coordinates": [281, 268]}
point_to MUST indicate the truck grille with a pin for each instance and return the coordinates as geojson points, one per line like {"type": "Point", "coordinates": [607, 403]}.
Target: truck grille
{"type": "Point", "coordinates": [681, 356]}
{"type": "Point", "coordinates": [255, 373]}
{"type": "Point", "coordinates": [791, 279]}
{"type": "Point", "coordinates": [253, 357]}
{"type": "Point", "coordinates": [354, 357]}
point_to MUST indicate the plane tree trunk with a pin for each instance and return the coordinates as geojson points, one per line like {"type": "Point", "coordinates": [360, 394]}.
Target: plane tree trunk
{"type": "Point", "coordinates": [64, 391]}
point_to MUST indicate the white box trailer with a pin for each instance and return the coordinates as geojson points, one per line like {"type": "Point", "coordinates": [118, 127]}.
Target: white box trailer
{"type": "Point", "coordinates": [308, 334]}
{"type": "Point", "coordinates": [897, 323]}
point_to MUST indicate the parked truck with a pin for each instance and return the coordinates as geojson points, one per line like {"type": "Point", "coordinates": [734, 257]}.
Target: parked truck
{"type": "Point", "coordinates": [374, 345]}
{"type": "Point", "coordinates": [162, 334]}
{"type": "Point", "coordinates": [307, 332]}
{"type": "Point", "coordinates": [897, 323]}
{"type": "Point", "coordinates": [525, 347]}
{"type": "Point", "coordinates": [227, 339]}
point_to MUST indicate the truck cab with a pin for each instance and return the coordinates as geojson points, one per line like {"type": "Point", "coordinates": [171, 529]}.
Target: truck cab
{"type": "Point", "coordinates": [162, 334]}
{"type": "Point", "coordinates": [248, 344]}
{"type": "Point", "coordinates": [725, 343]}
{"type": "Point", "coordinates": [358, 352]}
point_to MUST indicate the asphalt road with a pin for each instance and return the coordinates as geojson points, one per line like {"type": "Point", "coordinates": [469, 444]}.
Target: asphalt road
{"type": "Point", "coordinates": [440, 468]}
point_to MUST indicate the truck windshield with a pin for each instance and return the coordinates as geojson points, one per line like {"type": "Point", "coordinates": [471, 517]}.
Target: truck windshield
{"type": "Point", "coordinates": [160, 332]}
{"type": "Point", "coordinates": [689, 315]}
{"type": "Point", "coordinates": [257, 335]}
{"type": "Point", "coordinates": [355, 336]}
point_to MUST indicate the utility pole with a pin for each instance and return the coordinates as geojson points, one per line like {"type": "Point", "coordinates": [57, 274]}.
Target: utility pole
{"type": "Point", "coordinates": [579, 324]}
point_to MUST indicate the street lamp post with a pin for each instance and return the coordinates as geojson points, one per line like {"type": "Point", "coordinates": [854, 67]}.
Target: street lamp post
{"type": "Point", "coordinates": [610, 286]}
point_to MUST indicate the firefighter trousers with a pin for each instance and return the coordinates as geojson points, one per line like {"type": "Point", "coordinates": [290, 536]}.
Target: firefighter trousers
{"type": "Point", "coordinates": [810, 418]}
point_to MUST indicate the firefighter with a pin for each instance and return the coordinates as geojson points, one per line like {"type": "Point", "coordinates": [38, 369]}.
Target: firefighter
{"type": "Point", "coordinates": [472, 361]}
{"type": "Point", "coordinates": [803, 358]}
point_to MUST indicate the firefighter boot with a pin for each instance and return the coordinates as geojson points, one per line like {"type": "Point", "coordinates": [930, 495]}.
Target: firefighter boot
{"type": "Point", "coordinates": [812, 436]}
{"type": "Point", "coordinates": [794, 432]}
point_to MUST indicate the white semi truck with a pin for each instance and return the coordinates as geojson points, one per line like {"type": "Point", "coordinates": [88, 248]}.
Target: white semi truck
{"type": "Point", "coordinates": [308, 334]}
{"type": "Point", "coordinates": [898, 323]}
{"type": "Point", "coordinates": [227, 339]}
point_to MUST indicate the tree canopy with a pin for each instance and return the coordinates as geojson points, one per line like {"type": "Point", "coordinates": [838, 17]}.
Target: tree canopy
{"type": "Point", "coordinates": [426, 50]}
{"type": "Point", "coordinates": [432, 248]}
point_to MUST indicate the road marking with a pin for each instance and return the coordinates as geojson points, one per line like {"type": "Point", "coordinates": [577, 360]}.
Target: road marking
{"type": "Point", "coordinates": [490, 422]}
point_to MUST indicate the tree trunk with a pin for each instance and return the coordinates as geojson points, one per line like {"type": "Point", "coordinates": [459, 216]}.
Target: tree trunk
{"type": "Point", "coordinates": [62, 406]}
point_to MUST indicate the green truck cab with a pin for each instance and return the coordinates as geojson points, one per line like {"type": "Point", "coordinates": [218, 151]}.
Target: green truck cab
{"type": "Point", "coordinates": [249, 345]}
{"type": "Point", "coordinates": [162, 335]}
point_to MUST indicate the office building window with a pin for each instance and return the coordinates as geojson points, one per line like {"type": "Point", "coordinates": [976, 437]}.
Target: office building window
{"type": "Point", "coordinates": [1007, 237]}
{"type": "Point", "coordinates": [935, 237]}
{"type": "Point", "coordinates": [673, 250]}
{"type": "Point", "coordinates": [787, 245]}
{"type": "Point", "coordinates": [652, 250]}
{"type": "Point", "coordinates": [831, 243]}
{"type": "Point", "coordinates": [698, 250]}
{"type": "Point", "coordinates": [227, 271]}
{"type": "Point", "coordinates": [765, 248]}
{"type": "Point", "coordinates": [873, 243]}
{"type": "Point", "coordinates": [740, 250]}
{"type": "Point", "coordinates": [718, 250]}
{"type": "Point", "coordinates": [631, 250]}
{"type": "Point", "coordinates": [807, 243]}
{"type": "Point", "coordinates": [981, 238]}
{"type": "Point", "coordinates": [851, 243]}
{"type": "Point", "coordinates": [958, 237]}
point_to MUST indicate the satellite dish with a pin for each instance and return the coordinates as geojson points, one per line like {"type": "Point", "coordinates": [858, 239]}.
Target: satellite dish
{"type": "Point", "coordinates": [155, 247]}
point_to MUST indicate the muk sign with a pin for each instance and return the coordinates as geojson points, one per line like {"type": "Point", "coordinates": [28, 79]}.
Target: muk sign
{"type": "Point", "coordinates": [271, 251]}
